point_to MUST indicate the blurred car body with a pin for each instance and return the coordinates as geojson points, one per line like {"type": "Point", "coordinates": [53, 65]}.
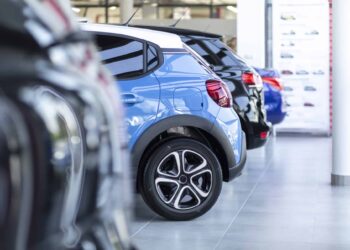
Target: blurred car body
{"type": "Point", "coordinates": [274, 99]}
{"type": "Point", "coordinates": [63, 162]}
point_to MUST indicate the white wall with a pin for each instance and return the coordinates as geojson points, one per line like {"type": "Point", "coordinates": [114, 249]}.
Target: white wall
{"type": "Point", "coordinates": [251, 31]}
{"type": "Point", "coordinates": [310, 53]}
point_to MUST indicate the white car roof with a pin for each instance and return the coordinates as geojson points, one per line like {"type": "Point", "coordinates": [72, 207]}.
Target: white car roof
{"type": "Point", "coordinates": [162, 39]}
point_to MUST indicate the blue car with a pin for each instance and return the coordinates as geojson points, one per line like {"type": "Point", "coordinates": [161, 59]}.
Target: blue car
{"type": "Point", "coordinates": [274, 101]}
{"type": "Point", "coordinates": [184, 136]}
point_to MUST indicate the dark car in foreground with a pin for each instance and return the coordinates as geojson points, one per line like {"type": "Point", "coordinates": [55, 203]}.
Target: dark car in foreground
{"type": "Point", "coordinates": [243, 81]}
{"type": "Point", "coordinates": [62, 156]}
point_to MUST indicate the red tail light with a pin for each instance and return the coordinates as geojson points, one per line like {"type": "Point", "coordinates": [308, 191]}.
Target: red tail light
{"type": "Point", "coordinates": [252, 80]}
{"type": "Point", "coordinates": [274, 82]}
{"type": "Point", "coordinates": [219, 92]}
{"type": "Point", "coordinates": [248, 78]}
{"type": "Point", "coordinates": [264, 135]}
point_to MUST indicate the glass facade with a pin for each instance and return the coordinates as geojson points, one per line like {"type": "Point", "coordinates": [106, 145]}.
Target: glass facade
{"type": "Point", "coordinates": [107, 11]}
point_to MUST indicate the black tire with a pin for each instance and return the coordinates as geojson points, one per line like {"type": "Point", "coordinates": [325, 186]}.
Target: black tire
{"type": "Point", "coordinates": [185, 192]}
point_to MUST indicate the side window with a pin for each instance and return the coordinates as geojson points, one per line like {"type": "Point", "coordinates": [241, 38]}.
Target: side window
{"type": "Point", "coordinates": [152, 57]}
{"type": "Point", "coordinates": [213, 51]}
{"type": "Point", "coordinates": [197, 46]}
{"type": "Point", "coordinates": [225, 54]}
{"type": "Point", "coordinates": [124, 57]}
{"type": "Point", "coordinates": [228, 51]}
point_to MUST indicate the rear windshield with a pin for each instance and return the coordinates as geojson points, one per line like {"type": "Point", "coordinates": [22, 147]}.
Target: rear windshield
{"type": "Point", "coordinates": [213, 51]}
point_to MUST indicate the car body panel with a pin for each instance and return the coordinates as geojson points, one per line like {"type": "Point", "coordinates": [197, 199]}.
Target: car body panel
{"type": "Point", "coordinates": [189, 73]}
{"type": "Point", "coordinates": [141, 103]}
{"type": "Point", "coordinates": [247, 101]}
{"type": "Point", "coordinates": [275, 102]}
{"type": "Point", "coordinates": [183, 101]}
{"type": "Point", "coordinates": [230, 123]}
{"type": "Point", "coordinates": [182, 70]}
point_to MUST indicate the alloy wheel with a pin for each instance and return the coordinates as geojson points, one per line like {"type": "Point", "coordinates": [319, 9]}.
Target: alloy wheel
{"type": "Point", "coordinates": [183, 179]}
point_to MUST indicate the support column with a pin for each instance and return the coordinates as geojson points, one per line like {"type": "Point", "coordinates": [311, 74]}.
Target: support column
{"type": "Point", "coordinates": [126, 10]}
{"type": "Point", "coordinates": [106, 11]}
{"type": "Point", "coordinates": [341, 99]}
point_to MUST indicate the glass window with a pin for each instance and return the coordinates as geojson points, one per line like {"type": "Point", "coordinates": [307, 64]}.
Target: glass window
{"type": "Point", "coordinates": [124, 57]}
{"type": "Point", "coordinates": [200, 49]}
{"type": "Point", "coordinates": [214, 51]}
{"type": "Point", "coordinates": [230, 55]}
{"type": "Point", "coordinates": [152, 57]}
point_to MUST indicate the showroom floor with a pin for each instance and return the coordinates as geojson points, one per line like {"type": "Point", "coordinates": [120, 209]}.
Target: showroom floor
{"type": "Point", "coordinates": [282, 201]}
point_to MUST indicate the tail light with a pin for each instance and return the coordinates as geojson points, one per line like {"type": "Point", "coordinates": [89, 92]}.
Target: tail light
{"type": "Point", "coordinates": [264, 135]}
{"type": "Point", "coordinates": [219, 92]}
{"type": "Point", "coordinates": [274, 82]}
{"type": "Point", "coordinates": [248, 78]}
{"type": "Point", "coordinates": [251, 79]}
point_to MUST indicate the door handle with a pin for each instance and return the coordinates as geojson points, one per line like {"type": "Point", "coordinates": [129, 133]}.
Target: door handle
{"type": "Point", "coordinates": [131, 98]}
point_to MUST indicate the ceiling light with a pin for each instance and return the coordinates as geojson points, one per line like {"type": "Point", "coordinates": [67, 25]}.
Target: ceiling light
{"type": "Point", "coordinates": [76, 10]}
{"type": "Point", "coordinates": [232, 8]}
{"type": "Point", "coordinates": [112, 8]}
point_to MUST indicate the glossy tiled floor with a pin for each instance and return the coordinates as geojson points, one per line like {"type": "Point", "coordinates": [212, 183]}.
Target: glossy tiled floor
{"type": "Point", "coordinates": [282, 201]}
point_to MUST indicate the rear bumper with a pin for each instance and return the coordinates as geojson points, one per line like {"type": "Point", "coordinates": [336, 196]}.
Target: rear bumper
{"type": "Point", "coordinates": [257, 134]}
{"type": "Point", "coordinates": [253, 119]}
{"type": "Point", "coordinates": [256, 142]}
{"type": "Point", "coordinates": [276, 117]}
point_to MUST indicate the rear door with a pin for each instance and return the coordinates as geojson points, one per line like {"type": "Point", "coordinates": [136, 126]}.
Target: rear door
{"type": "Point", "coordinates": [132, 63]}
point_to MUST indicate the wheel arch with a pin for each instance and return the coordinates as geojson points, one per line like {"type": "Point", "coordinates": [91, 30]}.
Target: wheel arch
{"type": "Point", "coordinates": [196, 127]}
